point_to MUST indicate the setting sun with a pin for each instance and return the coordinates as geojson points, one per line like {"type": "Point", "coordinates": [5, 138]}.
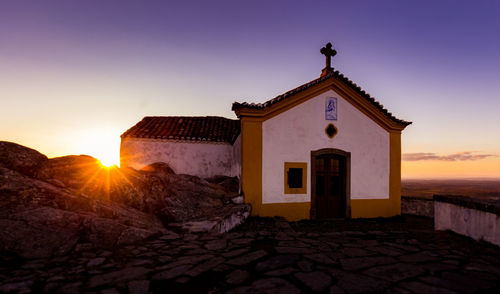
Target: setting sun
{"type": "Point", "coordinates": [103, 144]}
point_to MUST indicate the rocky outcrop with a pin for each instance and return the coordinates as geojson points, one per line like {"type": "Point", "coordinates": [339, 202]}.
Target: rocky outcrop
{"type": "Point", "coordinates": [47, 206]}
{"type": "Point", "coordinates": [39, 219]}
{"type": "Point", "coordinates": [23, 159]}
{"type": "Point", "coordinates": [155, 189]}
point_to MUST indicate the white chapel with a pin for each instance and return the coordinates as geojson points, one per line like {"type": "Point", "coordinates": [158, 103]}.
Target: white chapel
{"type": "Point", "coordinates": [325, 149]}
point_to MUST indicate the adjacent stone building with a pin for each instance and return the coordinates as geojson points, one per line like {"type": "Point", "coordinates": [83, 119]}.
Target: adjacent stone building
{"type": "Point", "coordinates": [325, 149]}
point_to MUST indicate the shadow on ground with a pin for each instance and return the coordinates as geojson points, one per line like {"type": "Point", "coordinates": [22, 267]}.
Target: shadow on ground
{"type": "Point", "coordinates": [270, 255]}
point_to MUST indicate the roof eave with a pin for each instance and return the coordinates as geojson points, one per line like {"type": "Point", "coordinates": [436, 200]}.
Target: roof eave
{"type": "Point", "coordinates": [336, 82]}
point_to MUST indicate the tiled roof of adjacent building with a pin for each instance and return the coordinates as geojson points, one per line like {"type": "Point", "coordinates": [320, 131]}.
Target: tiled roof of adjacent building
{"type": "Point", "coordinates": [337, 74]}
{"type": "Point", "coordinates": [188, 128]}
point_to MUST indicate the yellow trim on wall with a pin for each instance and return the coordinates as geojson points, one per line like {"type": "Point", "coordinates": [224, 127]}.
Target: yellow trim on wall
{"type": "Point", "coordinates": [303, 166]}
{"type": "Point", "coordinates": [290, 211]}
{"type": "Point", "coordinates": [395, 171]}
{"type": "Point", "coordinates": [251, 162]}
{"type": "Point", "coordinates": [371, 208]}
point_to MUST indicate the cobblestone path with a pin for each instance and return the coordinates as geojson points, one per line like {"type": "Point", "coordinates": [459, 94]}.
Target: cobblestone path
{"type": "Point", "coordinates": [399, 255]}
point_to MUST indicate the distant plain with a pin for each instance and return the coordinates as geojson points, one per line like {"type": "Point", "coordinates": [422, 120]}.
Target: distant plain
{"type": "Point", "coordinates": [480, 188]}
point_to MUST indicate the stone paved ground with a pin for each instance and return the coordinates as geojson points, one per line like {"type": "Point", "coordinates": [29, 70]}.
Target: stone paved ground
{"type": "Point", "coordinates": [399, 255]}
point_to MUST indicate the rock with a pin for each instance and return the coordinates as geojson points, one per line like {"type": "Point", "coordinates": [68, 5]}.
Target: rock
{"type": "Point", "coordinates": [356, 263]}
{"type": "Point", "coordinates": [420, 257]}
{"type": "Point", "coordinates": [235, 252]}
{"type": "Point", "coordinates": [247, 258]}
{"type": "Point", "coordinates": [317, 281]}
{"type": "Point", "coordinates": [293, 250]}
{"type": "Point", "coordinates": [227, 218]}
{"type": "Point", "coordinates": [47, 206]}
{"type": "Point", "coordinates": [355, 252]}
{"type": "Point", "coordinates": [72, 170]}
{"type": "Point", "coordinates": [237, 200]}
{"type": "Point", "coordinates": [154, 189]}
{"type": "Point", "coordinates": [132, 235]}
{"type": "Point", "coordinates": [276, 262]}
{"type": "Point", "coordinates": [282, 236]}
{"type": "Point", "coordinates": [237, 277]}
{"type": "Point", "coordinates": [216, 244]}
{"type": "Point", "coordinates": [110, 291]}
{"type": "Point", "coordinates": [39, 232]}
{"type": "Point", "coordinates": [203, 267]}
{"type": "Point", "coordinates": [172, 273]}
{"type": "Point", "coordinates": [395, 272]}
{"type": "Point", "coordinates": [169, 235]}
{"type": "Point", "coordinates": [96, 261]}
{"type": "Point", "coordinates": [138, 287]}
{"type": "Point", "coordinates": [39, 219]}
{"type": "Point", "coordinates": [200, 226]}
{"type": "Point", "coordinates": [17, 287]}
{"type": "Point", "coordinates": [19, 158]}
{"type": "Point", "coordinates": [121, 275]}
{"type": "Point", "coordinates": [320, 257]}
{"type": "Point", "coordinates": [190, 260]}
{"type": "Point", "coordinates": [270, 286]}
{"type": "Point", "coordinates": [356, 283]}
{"type": "Point", "coordinates": [158, 168]}
{"type": "Point", "coordinates": [282, 271]}
{"type": "Point", "coordinates": [230, 184]}
{"type": "Point", "coordinates": [305, 266]}
{"type": "Point", "coordinates": [336, 290]}
{"type": "Point", "coordinates": [417, 287]}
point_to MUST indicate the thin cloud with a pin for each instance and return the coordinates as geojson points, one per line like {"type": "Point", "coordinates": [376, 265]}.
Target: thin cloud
{"type": "Point", "coordinates": [461, 156]}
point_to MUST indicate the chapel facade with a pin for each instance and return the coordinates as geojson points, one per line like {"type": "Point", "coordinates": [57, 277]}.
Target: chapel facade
{"type": "Point", "coordinates": [323, 150]}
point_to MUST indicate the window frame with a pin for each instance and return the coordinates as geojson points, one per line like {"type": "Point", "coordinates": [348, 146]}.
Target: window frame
{"type": "Point", "coordinates": [287, 167]}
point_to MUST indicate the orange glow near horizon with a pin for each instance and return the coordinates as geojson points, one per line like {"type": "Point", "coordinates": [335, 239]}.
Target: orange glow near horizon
{"type": "Point", "coordinates": [435, 169]}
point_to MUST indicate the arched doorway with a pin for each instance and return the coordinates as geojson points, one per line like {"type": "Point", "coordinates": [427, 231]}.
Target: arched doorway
{"type": "Point", "coordinates": [330, 184]}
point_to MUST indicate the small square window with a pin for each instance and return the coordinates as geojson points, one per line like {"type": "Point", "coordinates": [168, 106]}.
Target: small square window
{"type": "Point", "coordinates": [295, 178]}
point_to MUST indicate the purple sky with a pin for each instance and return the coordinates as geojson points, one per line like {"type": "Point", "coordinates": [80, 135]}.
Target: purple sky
{"type": "Point", "coordinates": [73, 68]}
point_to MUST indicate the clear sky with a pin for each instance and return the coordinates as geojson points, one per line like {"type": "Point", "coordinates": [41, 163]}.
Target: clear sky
{"type": "Point", "coordinates": [76, 74]}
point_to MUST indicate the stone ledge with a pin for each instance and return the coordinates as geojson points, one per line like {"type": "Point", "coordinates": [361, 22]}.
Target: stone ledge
{"type": "Point", "coordinates": [416, 205]}
{"type": "Point", "coordinates": [483, 204]}
{"type": "Point", "coordinates": [227, 218]}
{"type": "Point", "coordinates": [423, 198]}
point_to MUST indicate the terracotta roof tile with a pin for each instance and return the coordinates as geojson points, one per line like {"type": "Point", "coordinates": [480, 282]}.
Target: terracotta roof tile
{"type": "Point", "coordinates": [337, 74]}
{"type": "Point", "coordinates": [187, 128]}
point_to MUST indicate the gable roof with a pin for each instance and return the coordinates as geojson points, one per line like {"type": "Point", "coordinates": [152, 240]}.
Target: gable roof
{"type": "Point", "coordinates": [188, 128]}
{"type": "Point", "coordinates": [336, 74]}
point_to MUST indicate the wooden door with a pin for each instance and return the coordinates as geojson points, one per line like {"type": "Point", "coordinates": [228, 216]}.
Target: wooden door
{"type": "Point", "coordinates": [330, 184]}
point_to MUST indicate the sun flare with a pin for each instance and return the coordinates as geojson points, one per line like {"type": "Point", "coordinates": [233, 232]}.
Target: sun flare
{"type": "Point", "coordinates": [103, 144]}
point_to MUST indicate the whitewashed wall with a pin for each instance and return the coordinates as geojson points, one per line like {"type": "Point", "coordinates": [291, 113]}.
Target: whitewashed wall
{"type": "Point", "coordinates": [477, 224]}
{"type": "Point", "coordinates": [293, 134]}
{"type": "Point", "coordinates": [195, 158]}
{"type": "Point", "coordinates": [236, 159]}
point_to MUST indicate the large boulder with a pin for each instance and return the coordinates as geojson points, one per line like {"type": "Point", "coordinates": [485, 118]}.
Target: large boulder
{"type": "Point", "coordinates": [73, 171]}
{"type": "Point", "coordinates": [39, 219]}
{"type": "Point", "coordinates": [19, 158]}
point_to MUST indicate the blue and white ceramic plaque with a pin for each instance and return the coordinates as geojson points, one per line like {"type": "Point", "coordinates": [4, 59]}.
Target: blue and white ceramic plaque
{"type": "Point", "coordinates": [331, 108]}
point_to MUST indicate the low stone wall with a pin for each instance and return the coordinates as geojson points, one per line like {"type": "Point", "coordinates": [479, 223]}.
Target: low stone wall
{"type": "Point", "coordinates": [476, 218]}
{"type": "Point", "coordinates": [422, 206]}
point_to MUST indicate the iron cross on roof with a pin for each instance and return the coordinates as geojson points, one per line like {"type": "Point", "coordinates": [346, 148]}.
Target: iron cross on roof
{"type": "Point", "coordinates": [328, 52]}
